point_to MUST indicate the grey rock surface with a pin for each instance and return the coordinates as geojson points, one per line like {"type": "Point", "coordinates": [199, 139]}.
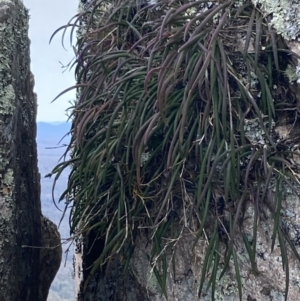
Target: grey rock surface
{"type": "Point", "coordinates": [50, 255]}
{"type": "Point", "coordinates": [21, 239]}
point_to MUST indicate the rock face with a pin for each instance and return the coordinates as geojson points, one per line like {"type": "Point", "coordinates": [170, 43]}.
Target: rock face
{"type": "Point", "coordinates": [20, 207]}
{"type": "Point", "coordinates": [141, 284]}
{"type": "Point", "coordinates": [108, 284]}
{"type": "Point", "coordinates": [50, 256]}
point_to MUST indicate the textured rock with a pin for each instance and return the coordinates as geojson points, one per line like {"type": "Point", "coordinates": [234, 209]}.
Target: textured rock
{"type": "Point", "coordinates": [50, 256]}
{"type": "Point", "coordinates": [268, 285]}
{"type": "Point", "coordinates": [21, 275]}
{"type": "Point", "coordinates": [107, 284]}
{"type": "Point", "coordinates": [20, 209]}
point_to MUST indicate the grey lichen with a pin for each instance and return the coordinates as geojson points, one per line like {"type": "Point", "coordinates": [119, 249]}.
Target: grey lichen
{"type": "Point", "coordinates": [292, 73]}
{"type": "Point", "coordinates": [278, 296]}
{"type": "Point", "coordinates": [285, 16]}
{"type": "Point", "coordinates": [297, 71]}
{"type": "Point", "coordinates": [7, 96]}
{"type": "Point", "coordinates": [254, 133]}
{"type": "Point", "coordinates": [9, 178]}
{"type": "Point", "coordinates": [225, 290]}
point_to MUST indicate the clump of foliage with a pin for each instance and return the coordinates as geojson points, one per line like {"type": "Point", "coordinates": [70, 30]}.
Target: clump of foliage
{"type": "Point", "coordinates": [160, 129]}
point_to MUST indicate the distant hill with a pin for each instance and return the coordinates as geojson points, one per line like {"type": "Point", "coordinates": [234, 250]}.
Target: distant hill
{"type": "Point", "coordinates": [53, 133]}
{"type": "Point", "coordinates": [49, 154]}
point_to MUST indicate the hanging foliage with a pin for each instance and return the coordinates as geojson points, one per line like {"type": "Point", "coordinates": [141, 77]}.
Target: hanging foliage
{"type": "Point", "coordinates": [174, 122]}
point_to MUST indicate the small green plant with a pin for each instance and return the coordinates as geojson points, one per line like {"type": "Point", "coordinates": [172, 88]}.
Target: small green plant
{"type": "Point", "coordinates": [175, 116]}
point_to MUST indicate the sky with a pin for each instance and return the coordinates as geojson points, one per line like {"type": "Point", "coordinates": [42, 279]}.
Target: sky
{"type": "Point", "coordinates": [50, 78]}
